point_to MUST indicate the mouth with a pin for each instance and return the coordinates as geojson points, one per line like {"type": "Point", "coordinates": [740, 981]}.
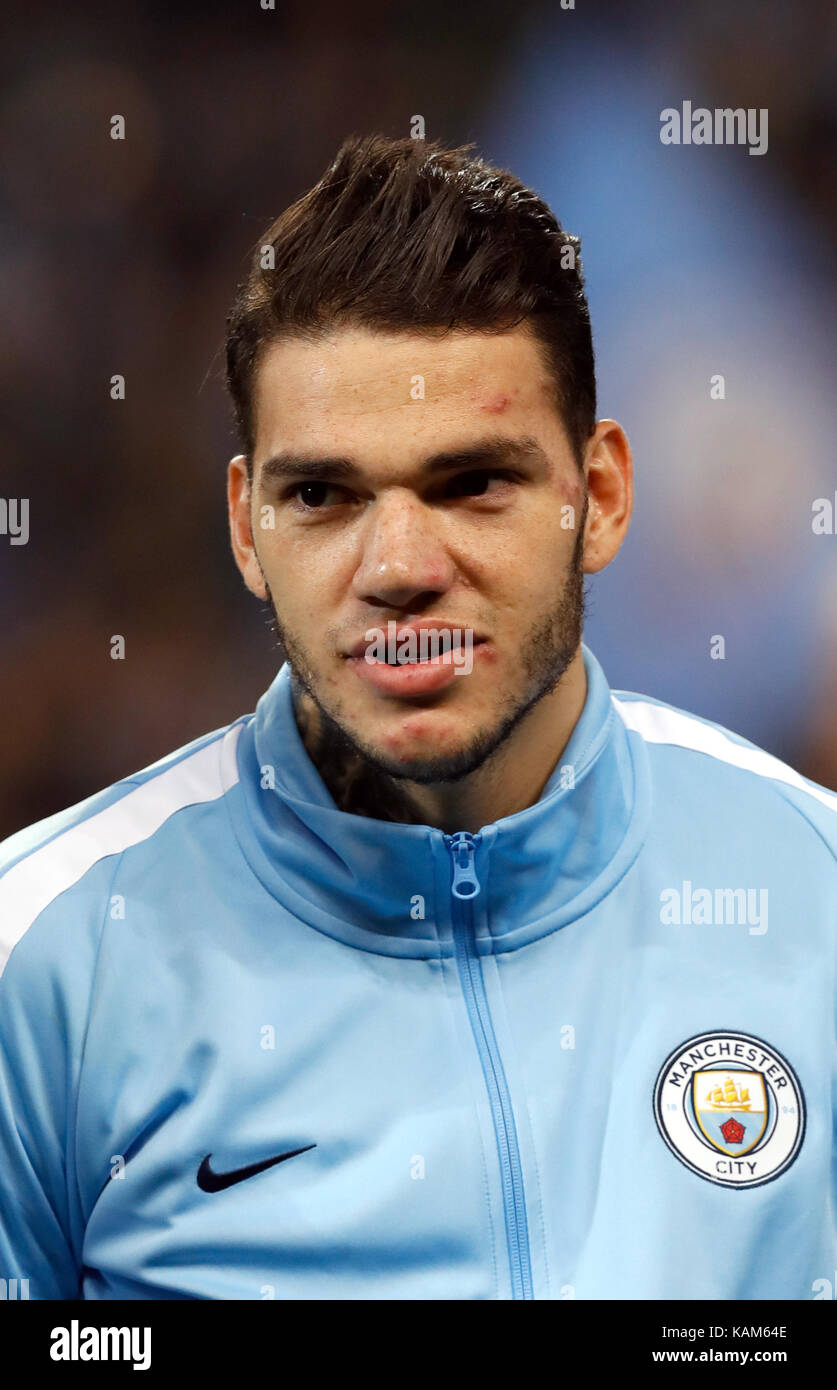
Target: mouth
{"type": "Point", "coordinates": [414, 644]}
{"type": "Point", "coordinates": [416, 658]}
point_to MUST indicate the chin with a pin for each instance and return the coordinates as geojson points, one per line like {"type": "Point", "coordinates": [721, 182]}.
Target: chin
{"type": "Point", "coordinates": [425, 762]}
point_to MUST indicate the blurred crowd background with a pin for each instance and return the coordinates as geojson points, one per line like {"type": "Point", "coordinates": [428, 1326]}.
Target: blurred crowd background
{"type": "Point", "coordinates": [122, 257]}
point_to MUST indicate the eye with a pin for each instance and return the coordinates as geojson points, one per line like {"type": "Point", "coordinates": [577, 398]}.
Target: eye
{"type": "Point", "coordinates": [313, 496]}
{"type": "Point", "coordinates": [475, 482]}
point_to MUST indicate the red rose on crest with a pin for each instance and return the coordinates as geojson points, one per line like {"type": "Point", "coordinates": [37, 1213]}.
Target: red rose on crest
{"type": "Point", "coordinates": [733, 1131]}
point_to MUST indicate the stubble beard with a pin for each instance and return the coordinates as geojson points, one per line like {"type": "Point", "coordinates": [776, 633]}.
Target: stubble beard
{"type": "Point", "coordinates": [346, 762]}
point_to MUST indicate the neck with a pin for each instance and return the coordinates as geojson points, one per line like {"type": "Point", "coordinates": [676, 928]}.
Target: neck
{"type": "Point", "coordinates": [511, 779]}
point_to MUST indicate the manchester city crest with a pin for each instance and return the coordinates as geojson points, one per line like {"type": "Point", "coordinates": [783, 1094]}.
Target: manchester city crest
{"type": "Point", "coordinates": [731, 1108]}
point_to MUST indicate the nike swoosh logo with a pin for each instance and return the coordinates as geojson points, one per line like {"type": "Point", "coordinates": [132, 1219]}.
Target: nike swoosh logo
{"type": "Point", "coordinates": [210, 1181]}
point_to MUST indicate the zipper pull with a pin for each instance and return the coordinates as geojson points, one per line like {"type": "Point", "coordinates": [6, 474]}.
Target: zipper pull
{"type": "Point", "coordinates": [462, 847]}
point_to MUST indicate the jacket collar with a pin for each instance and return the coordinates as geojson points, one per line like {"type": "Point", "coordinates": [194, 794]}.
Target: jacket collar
{"type": "Point", "coordinates": [385, 887]}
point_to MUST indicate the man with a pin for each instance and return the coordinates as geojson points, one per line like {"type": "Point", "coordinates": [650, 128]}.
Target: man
{"type": "Point", "coordinates": [448, 974]}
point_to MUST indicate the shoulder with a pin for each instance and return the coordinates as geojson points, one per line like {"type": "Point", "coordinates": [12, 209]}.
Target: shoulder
{"type": "Point", "coordinates": [66, 860]}
{"type": "Point", "coordinates": [722, 762]}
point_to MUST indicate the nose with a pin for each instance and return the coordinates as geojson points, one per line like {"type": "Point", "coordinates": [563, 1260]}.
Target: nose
{"type": "Point", "coordinates": [404, 561]}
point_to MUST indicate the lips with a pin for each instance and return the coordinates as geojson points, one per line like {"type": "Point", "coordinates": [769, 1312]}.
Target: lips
{"type": "Point", "coordinates": [415, 677]}
{"type": "Point", "coordinates": [448, 632]}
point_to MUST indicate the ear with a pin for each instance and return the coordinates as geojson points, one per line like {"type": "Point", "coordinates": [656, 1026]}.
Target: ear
{"type": "Point", "coordinates": [241, 535]}
{"type": "Point", "coordinates": [609, 470]}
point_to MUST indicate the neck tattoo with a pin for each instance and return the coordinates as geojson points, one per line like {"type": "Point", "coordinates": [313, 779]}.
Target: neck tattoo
{"type": "Point", "coordinates": [353, 783]}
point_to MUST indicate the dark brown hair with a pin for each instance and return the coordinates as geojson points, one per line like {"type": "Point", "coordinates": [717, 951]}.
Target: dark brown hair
{"type": "Point", "coordinates": [404, 234]}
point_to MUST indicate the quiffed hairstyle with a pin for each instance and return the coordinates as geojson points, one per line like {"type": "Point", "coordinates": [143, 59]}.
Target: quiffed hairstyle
{"type": "Point", "coordinates": [407, 235]}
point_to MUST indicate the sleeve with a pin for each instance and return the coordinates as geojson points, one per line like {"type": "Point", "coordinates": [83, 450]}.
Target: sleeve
{"type": "Point", "coordinates": [44, 999]}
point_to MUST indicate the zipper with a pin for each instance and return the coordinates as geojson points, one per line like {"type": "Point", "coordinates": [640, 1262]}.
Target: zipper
{"type": "Point", "coordinates": [465, 886]}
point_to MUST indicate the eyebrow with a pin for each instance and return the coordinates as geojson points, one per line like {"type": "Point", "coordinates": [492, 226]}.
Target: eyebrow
{"type": "Point", "coordinates": [494, 450]}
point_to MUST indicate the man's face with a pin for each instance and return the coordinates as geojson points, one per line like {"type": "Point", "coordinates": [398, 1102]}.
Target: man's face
{"type": "Point", "coordinates": [411, 479]}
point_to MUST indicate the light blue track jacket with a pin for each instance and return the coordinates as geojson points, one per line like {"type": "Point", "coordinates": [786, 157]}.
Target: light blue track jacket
{"type": "Point", "coordinates": [254, 1047]}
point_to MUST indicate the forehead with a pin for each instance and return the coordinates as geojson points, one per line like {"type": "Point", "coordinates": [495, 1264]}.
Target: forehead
{"type": "Point", "coordinates": [355, 386]}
